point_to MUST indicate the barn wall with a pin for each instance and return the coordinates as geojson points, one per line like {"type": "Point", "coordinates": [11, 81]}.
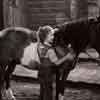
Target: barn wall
{"type": "Point", "coordinates": [33, 13]}
{"type": "Point", "coordinates": [43, 12]}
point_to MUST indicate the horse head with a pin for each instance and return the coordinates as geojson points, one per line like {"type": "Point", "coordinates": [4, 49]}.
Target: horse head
{"type": "Point", "coordinates": [78, 33]}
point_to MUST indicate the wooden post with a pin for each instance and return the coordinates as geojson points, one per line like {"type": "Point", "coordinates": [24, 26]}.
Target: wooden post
{"type": "Point", "coordinates": [94, 8]}
{"type": "Point", "coordinates": [1, 15]}
{"type": "Point", "coordinates": [15, 13]}
{"type": "Point", "coordinates": [67, 9]}
{"type": "Point", "coordinates": [82, 8]}
{"type": "Point", "coordinates": [79, 9]}
{"type": "Point", "coordinates": [98, 1]}
{"type": "Point", "coordinates": [6, 13]}
{"type": "Point", "coordinates": [73, 9]}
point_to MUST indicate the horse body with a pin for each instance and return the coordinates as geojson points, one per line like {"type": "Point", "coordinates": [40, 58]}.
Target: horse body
{"type": "Point", "coordinates": [13, 40]}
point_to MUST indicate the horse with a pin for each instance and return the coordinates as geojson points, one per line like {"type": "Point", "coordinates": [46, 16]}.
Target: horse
{"type": "Point", "coordinates": [13, 41]}
{"type": "Point", "coordinates": [62, 71]}
{"type": "Point", "coordinates": [79, 34]}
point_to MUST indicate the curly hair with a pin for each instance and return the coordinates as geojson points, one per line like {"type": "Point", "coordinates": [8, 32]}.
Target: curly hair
{"type": "Point", "coordinates": [43, 32]}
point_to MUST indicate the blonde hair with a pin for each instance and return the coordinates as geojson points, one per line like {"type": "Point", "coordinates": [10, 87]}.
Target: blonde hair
{"type": "Point", "coordinates": [43, 32]}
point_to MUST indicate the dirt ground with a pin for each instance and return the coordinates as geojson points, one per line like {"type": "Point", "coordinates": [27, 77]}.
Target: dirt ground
{"type": "Point", "coordinates": [25, 90]}
{"type": "Point", "coordinates": [83, 84]}
{"type": "Point", "coordinates": [30, 91]}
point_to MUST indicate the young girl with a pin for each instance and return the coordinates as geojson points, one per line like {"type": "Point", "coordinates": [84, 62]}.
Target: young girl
{"type": "Point", "coordinates": [48, 61]}
{"type": "Point", "coordinates": [47, 56]}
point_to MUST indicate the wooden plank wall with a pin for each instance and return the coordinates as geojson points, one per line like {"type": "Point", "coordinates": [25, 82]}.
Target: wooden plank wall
{"type": "Point", "coordinates": [33, 13]}
{"type": "Point", "coordinates": [43, 12]}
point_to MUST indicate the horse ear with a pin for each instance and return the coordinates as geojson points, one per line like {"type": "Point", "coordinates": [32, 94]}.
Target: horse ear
{"type": "Point", "coordinates": [56, 29]}
{"type": "Point", "coordinates": [39, 29]}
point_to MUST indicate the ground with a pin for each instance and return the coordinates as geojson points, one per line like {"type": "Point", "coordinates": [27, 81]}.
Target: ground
{"type": "Point", "coordinates": [83, 83]}
{"type": "Point", "coordinates": [30, 91]}
{"type": "Point", "coordinates": [25, 90]}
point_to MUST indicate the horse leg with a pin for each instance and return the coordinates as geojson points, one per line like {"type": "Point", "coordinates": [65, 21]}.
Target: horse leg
{"type": "Point", "coordinates": [60, 80]}
{"type": "Point", "coordinates": [2, 74]}
{"type": "Point", "coordinates": [57, 83]}
{"type": "Point", "coordinates": [0, 83]}
{"type": "Point", "coordinates": [66, 68]}
{"type": "Point", "coordinates": [64, 76]}
{"type": "Point", "coordinates": [61, 83]}
{"type": "Point", "coordinates": [10, 69]}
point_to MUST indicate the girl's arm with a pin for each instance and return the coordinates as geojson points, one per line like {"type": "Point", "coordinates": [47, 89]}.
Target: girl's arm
{"type": "Point", "coordinates": [54, 59]}
{"type": "Point", "coordinates": [69, 57]}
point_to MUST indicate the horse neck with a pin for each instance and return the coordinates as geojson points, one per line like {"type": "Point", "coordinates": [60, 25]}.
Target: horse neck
{"type": "Point", "coordinates": [60, 51]}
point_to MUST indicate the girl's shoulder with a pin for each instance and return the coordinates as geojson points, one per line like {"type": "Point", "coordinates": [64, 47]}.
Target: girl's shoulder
{"type": "Point", "coordinates": [43, 50]}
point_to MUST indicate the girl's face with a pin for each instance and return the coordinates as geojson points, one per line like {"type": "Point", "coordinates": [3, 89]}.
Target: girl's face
{"type": "Point", "coordinates": [49, 38]}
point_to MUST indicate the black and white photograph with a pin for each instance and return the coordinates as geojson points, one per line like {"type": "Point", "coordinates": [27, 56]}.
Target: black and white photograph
{"type": "Point", "coordinates": [49, 49]}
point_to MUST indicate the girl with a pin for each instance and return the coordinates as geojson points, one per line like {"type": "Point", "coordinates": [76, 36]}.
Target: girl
{"type": "Point", "coordinates": [48, 61]}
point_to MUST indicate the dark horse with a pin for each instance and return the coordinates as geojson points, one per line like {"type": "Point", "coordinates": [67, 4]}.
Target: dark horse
{"type": "Point", "coordinates": [13, 40]}
{"type": "Point", "coordinates": [80, 34]}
